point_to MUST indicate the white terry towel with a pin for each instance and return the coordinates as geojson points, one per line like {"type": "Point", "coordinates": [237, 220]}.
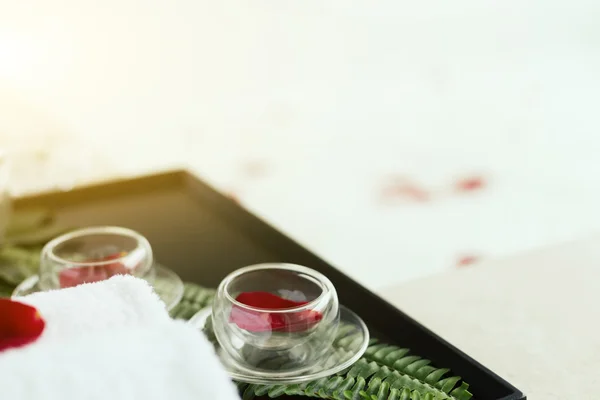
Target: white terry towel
{"type": "Point", "coordinates": [112, 340]}
{"type": "Point", "coordinates": [118, 302]}
{"type": "Point", "coordinates": [160, 361]}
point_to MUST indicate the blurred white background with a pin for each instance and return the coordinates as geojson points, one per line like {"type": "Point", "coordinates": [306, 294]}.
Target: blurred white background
{"type": "Point", "coordinates": [347, 124]}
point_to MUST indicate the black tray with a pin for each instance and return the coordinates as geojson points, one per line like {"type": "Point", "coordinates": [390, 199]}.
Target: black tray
{"type": "Point", "coordinates": [203, 236]}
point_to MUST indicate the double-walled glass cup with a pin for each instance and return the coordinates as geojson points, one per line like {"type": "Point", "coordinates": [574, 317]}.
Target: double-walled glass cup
{"type": "Point", "coordinates": [92, 255]}
{"type": "Point", "coordinates": [279, 318]}
{"type": "Point", "coordinates": [96, 254]}
{"type": "Point", "coordinates": [281, 324]}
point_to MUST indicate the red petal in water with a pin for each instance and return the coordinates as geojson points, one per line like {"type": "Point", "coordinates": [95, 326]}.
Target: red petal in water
{"type": "Point", "coordinates": [264, 321]}
{"type": "Point", "coordinates": [70, 277]}
{"type": "Point", "coordinates": [20, 324]}
{"type": "Point", "coordinates": [267, 300]}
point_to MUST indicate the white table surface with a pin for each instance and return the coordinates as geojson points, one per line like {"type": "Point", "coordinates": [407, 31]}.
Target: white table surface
{"type": "Point", "coordinates": [311, 111]}
{"type": "Point", "coordinates": [533, 318]}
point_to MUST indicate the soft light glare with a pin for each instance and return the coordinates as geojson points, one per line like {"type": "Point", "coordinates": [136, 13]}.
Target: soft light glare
{"type": "Point", "coordinates": [17, 57]}
{"type": "Point", "coordinates": [35, 59]}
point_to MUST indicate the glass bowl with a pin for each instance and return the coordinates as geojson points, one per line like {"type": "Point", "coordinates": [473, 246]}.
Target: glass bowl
{"type": "Point", "coordinates": [92, 255]}
{"type": "Point", "coordinates": [279, 322]}
{"type": "Point", "coordinates": [98, 253]}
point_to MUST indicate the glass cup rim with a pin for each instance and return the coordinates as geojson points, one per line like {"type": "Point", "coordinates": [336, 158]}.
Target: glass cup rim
{"type": "Point", "coordinates": [328, 290]}
{"type": "Point", "coordinates": [48, 249]}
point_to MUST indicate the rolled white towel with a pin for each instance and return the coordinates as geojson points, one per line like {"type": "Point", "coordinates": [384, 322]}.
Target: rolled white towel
{"type": "Point", "coordinates": [150, 361]}
{"type": "Point", "coordinates": [112, 340]}
{"type": "Point", "coordinates": [118, 302]}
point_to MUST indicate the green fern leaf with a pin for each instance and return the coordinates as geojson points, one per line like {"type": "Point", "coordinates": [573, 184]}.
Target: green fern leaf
{"type": "Point", "coordinates": [383, 392]}
{"type": "Point", "coordinates": [354, 393]}
{"type": "Point", "coordinates": [249, 393]}
{"type": "Point", "coordinates": [346, 385]}
{"type": "Point", "coordinates": [386, 372]}
{"type": "Point", "coordinates": [400, 360]}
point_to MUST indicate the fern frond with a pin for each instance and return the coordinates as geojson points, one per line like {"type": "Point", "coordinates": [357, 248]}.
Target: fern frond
{"type": "Point", "coordinates": [399, 359]}
{"type": "Point", "coordinates": [385, 372]}
{"type": "Point", "coordinates": [17, 264]}
{"type": "Point", "coordinates": [194, 299]}
{"type": "Point", "coordinates": [365, 380]}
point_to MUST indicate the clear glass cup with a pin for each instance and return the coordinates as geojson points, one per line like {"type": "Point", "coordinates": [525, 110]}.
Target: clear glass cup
{"type": "Point", "coordinates": [276, 317]}
{"type": "Point", "coordinates": [281, 324]}
{"type": "Point", "coordinates": [98, 253]}
{"type": "Point", "coordinates": [92, 255]}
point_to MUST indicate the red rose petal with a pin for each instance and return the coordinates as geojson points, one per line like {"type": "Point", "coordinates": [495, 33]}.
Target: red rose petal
{"type": "Point", "coordinates": [295, 322]}
{"type": "Point", "coordinates": [267, 300]}
{"type": "Point", "coordinates": [467, 260]}
{"type": "Point", "coordinates": [470, 184]}
{"type": "Point", "coordinates": [402, 188]}
{"type": "Point", "coordinates": [20, 324]}
{"type": "Point", "coordinates": [258, 321]}
{"type": "Point", "coordinates": [71, 277]}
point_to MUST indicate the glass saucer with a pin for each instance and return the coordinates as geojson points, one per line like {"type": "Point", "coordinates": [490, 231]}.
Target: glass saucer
{"type": "Point", "coordinates": [166, 283]}
{"type": "Point", "coordinates": [350, 343]}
